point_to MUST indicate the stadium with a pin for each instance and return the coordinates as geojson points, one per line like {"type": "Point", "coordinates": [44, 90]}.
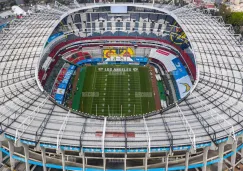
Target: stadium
{"type": "Point", "coordinates": [121, 86]}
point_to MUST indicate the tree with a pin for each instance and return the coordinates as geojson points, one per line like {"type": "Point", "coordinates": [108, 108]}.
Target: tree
{"type": "Point", "coordinates": [233, 18]}
{"type": "Point", "coordinates": [236, 18]}
{"type": "Point", "coordinates": [225, 12]}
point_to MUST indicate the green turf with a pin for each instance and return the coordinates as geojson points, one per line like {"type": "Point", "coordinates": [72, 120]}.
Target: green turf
{"type": "Point", "coordinates": [79, 89]}
{"type": "Point", "coordinates": [161, 91]}
{"type": "Point", "coordinates": [121, 93]}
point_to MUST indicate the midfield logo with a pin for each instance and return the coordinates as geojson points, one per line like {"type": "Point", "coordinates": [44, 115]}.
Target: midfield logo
{"type": "Point", "coordinates": [118, 69]}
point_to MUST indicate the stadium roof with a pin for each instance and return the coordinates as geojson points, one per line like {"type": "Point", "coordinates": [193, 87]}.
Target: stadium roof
{"type": "Point", "coordinates": [212, 113]}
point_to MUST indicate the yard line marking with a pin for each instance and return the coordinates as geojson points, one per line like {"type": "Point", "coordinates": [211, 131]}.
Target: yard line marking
{"type": "Point", "coordinates": [140, 91]}
{"type": "Point", "coordinates": [94, 82]}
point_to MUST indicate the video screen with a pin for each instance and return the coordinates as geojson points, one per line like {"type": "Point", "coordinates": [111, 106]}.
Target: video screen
{"type": "Point", "coordinates": [118, 9]}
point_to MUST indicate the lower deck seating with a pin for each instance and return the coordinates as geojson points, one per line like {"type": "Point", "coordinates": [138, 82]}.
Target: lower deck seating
{"type": "Point", "coordinates": [58, 80]}
{"type": "Point", "coordinates": [79, 56]}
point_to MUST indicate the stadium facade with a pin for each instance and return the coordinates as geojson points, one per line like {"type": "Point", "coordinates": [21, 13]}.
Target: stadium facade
{"type": "Point", "coordinates": [196, 131]}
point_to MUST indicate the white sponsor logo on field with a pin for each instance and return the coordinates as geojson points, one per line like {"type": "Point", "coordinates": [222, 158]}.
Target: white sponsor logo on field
{"type": "Point", "coordinates": [118, 69]}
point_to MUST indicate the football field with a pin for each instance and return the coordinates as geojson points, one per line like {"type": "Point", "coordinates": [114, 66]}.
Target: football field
{"type": "Point", "coordinates": [117, 90]}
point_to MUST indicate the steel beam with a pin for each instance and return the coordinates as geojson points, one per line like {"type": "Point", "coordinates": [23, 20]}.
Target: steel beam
{"type": "Point", "coordinates": [188, 128]}
{"type": "Point", "coordinates": [82, 134]}
{"type": "Point", "coordinates": [148, 135]}
{"type": "Point", "coordinates": [103, 138]}
{"type": "Point", "coordinates": [43, 124]}
{"type": "Point", "coordinates": [61, 131]}
{"type": "Point", "coordinates": [169, 133]}
{"type": "Point", "coordinates": [26, 156]}
{"type": "Point", "coordinates": [221, 155]}
{"type": "Point", "coordinates": [43, 155]}
{"type": "Point", "coordinates": [27, 122]}
{"type": "Point", "coordinates": [167, 162]}
{"type": "Point", "coordinates": [233, 157]}
{"type": "Point", "coordinates": [205, 158]}
{"type": "Point", "coordinates": [11, 153]}
{"type": "Point", "coordinates": [187, 160]}
{"type": "Point", "coordinates": [125, 130]}
{"type": "Point", "coordinates": [63, 160]}
{"type": "Point", "coordinates": [224, 124]}
{"type": "Point", "coordinates": [204, 123]}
